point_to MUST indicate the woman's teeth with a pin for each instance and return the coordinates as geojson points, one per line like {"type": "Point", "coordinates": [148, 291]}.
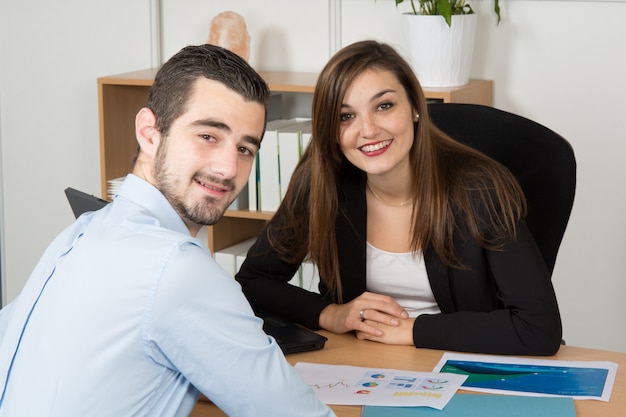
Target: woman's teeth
{"type": "Point", "coordinates": [376, 146]}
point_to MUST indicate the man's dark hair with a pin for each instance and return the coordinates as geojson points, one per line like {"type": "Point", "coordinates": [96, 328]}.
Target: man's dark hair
{"type": "Point", "coordinates": [174, 81]}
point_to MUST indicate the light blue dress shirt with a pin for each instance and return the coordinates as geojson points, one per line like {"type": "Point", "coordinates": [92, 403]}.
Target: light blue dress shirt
{"type": "Point", "coordinates": [126, 314]}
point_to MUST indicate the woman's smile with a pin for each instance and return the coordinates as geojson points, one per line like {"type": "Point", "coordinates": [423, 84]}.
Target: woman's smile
{"type": "Point", "coordinates": [377, 148]}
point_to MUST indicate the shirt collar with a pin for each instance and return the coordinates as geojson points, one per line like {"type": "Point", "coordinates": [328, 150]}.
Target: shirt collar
{"type": "Point", "coordinates": [140, 192]}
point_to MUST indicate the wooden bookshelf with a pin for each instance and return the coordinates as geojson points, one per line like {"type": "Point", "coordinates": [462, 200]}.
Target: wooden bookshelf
{"type": "Point", "coordinates": [476, 92]}
{"type": "Point", "coordinates": [120, 96]}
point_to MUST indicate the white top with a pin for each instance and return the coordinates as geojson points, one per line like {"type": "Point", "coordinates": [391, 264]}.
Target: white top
{"type": "Point", "coordinates": [402, 276]}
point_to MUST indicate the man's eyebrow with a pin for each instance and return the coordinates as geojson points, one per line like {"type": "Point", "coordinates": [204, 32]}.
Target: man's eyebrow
{"type": "Point", "coordinates": [212, 123]}
{"type": "Point", "coordinates": [253, 140]}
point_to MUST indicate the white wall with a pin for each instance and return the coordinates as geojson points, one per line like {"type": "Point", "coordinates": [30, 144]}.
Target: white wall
{"type": "Point", "coordinates": [558, 62]}
{"type": "Point", "coordinates": [285, 34]}
{"type": "Point", "coordinates": [51, 53]}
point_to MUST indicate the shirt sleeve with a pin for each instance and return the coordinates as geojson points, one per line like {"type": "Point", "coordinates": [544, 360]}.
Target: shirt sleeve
{"type": "Point", "coordinates": [203, 326]}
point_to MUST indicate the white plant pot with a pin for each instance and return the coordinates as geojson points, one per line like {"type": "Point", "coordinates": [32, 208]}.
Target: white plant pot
{"type": "Point", "coordinates": [441, 55]}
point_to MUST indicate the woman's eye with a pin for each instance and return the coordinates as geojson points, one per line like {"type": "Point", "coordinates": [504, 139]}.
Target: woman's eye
{"type": "Point", "coordinates": [385, 106]}
{"type": "Point", "coordinates": [346, 116]}
{"type": "Point", "coordinates": [207, 137]}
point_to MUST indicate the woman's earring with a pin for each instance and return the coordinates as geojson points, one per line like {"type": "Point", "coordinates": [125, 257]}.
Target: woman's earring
{"type": "Point", "coordinates": [416, 117]}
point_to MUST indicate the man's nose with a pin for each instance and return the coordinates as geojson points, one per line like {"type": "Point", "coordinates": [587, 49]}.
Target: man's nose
{"type": "Point", "coordinates": [224, 163]}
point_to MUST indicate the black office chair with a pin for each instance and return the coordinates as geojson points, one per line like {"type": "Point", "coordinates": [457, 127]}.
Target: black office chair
{"type": "Point", "coordinates": [541, 160]}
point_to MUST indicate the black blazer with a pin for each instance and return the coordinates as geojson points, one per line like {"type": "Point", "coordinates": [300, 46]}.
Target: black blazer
{"type": "Point", "coordinates": [503, 303]}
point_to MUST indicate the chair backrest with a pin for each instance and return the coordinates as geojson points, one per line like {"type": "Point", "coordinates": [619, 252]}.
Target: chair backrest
{"type": "Point", "coordinates": [542, 161]}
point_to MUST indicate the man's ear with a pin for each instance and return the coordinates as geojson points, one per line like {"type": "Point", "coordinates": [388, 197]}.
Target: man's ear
{"type": "Point", "coordinates": [148, 136]}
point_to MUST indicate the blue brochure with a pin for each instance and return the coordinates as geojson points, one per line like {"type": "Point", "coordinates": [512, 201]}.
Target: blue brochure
{"type": "Point", "coordinates": [581, 380]}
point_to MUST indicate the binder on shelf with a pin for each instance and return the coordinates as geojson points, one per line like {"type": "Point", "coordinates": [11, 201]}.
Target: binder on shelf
{"type": "Point", "coordinates": [310, 277]}
{"type": "Point", "coordinates": [274, 112]}
{"type": "Point", "coordinates": [241, 202]}
{"type": "Point", "coordinates": [253, 185]}
{"type": "Point", "coordinates": [305, 137]}
{"type": "Point", "coordinates": [268, 162]}
{"type": "Point", "coordinates": [289, 152]}
{"type": "Point", "coordinates": [227, 257]}
{"type": "Point", "coordinates": [307, 277]}
{"type": "Point", "coordinates": [241, 257]}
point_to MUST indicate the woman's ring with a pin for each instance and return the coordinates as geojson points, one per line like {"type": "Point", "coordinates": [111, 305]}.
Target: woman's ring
{"type": "Point", "coordinates": [362, 314]}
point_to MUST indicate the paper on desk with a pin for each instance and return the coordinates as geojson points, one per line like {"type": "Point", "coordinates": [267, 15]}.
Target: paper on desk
{"type": "Point", "coordinates": [581, 380]}
{"type": "Point", "coordinates": [351, 385]}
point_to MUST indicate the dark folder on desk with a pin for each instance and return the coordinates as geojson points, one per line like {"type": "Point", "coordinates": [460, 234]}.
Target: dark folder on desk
{"type": "Point", "coordinates": [290, 337]}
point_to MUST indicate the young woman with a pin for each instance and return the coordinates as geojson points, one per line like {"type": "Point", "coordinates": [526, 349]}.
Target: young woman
{"type": "Point", "coordinates": [418, 239]}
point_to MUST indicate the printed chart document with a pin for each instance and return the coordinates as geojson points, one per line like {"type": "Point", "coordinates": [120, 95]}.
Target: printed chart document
{"type": "Point", "coordinates": [352, 385]}
{"type": "Point", "coordinates": [484, 405]}
{"type": "Point", "coordinates": [581, 380]}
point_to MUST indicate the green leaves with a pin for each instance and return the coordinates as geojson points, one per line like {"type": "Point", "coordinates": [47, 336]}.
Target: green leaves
{"type": "Point", "coordinates": [446, 8]}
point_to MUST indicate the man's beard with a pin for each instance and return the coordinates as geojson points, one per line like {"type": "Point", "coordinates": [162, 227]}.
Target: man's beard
{"type": "Point", "coordinates": [206, 212]}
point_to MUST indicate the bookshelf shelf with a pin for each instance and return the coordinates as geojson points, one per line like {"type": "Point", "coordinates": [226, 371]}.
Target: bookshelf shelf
{"type": "Point", "coordinates": [120, 96]}
{"type": "Point", "coordinates": [249, 214]}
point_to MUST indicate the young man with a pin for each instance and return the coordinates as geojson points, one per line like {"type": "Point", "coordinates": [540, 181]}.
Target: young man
{"type": "Point", "coordinates": [126, 313]}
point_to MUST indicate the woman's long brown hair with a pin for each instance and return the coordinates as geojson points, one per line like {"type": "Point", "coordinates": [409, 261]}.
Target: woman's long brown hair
{"type": "Point", "coordinates": [447, 177]}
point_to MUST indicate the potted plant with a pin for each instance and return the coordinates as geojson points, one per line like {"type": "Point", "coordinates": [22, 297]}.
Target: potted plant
{"type": "Point", "coordinates": [446, 8]}
{"type": "Point", "coordinates": [440, 40]}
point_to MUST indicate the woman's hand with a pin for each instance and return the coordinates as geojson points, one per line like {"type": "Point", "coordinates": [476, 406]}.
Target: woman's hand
{"type": "Point", "coordinates": [401, 334]}
{"type": "Point", "coordinates": [364, 314]}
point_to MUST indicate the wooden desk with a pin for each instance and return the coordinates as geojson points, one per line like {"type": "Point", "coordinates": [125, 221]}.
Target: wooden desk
{"type": "Point", "coordinates": [347, 350]}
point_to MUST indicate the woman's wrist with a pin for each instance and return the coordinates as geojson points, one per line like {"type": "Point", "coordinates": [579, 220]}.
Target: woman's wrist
{"type": "Point", "coordinates": [325, 318]}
